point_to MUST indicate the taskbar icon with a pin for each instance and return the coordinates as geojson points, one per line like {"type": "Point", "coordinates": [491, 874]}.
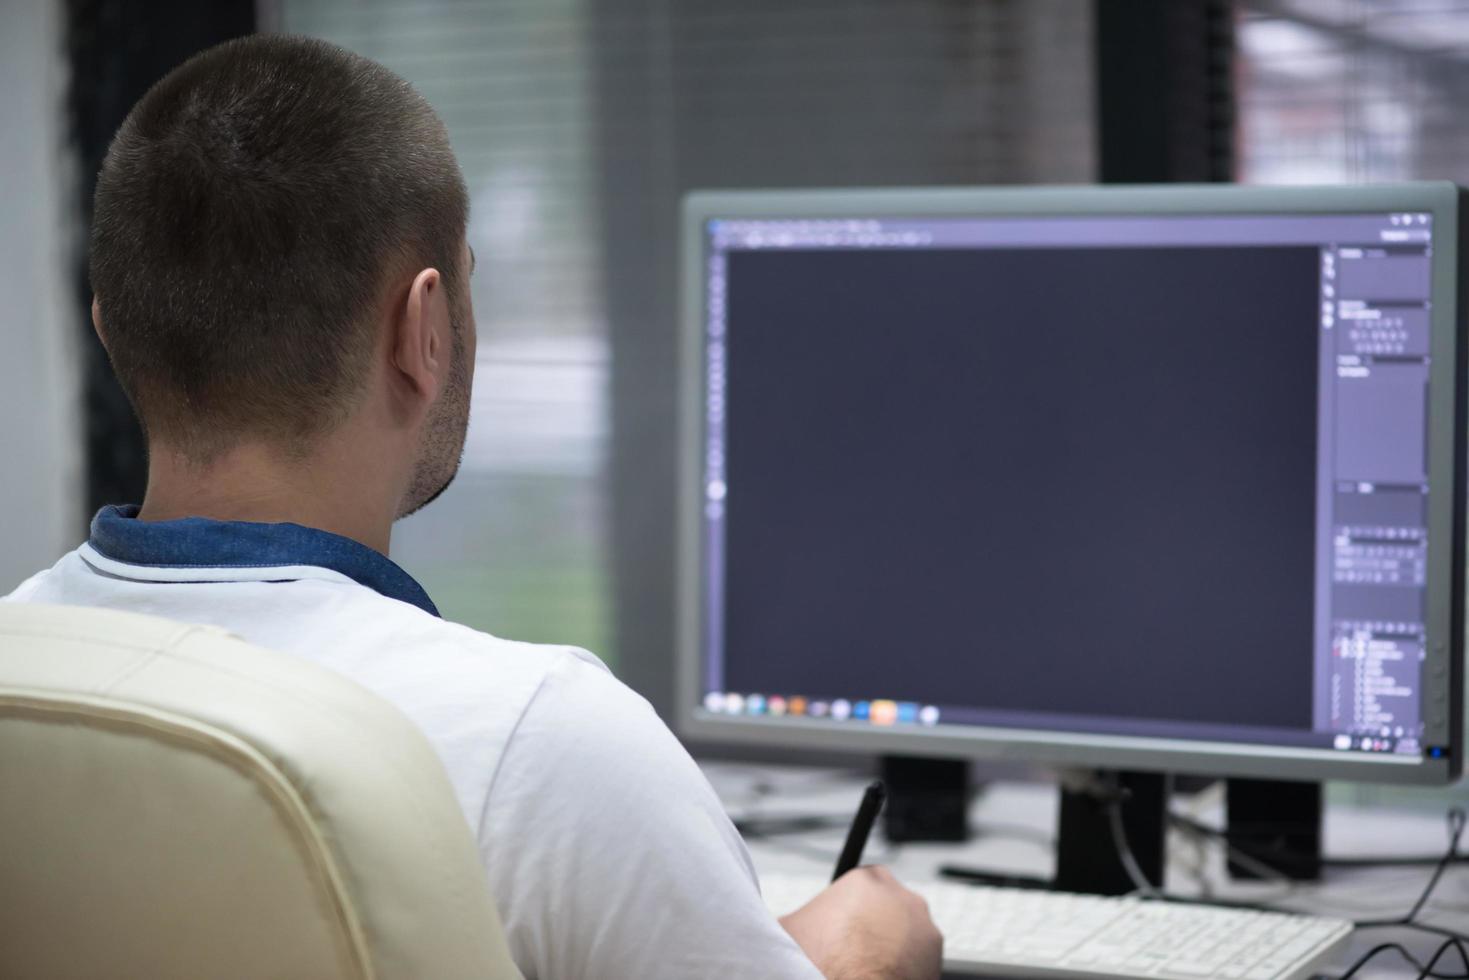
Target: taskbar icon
{"type": "Point", "coordinates": [877, 711]}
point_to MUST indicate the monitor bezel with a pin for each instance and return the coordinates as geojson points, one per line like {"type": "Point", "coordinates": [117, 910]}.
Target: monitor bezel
{"type": "Point", "coordinates": [1444, 702]}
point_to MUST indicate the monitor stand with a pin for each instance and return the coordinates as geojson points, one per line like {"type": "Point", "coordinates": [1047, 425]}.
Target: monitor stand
{"type": "Point", "coordinates": [1087, 858]}
{"type": "Point", "coordinates": [1276, 822]}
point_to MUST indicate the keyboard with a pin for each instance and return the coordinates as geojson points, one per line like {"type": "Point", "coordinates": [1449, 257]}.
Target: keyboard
{"type": "Point", "coordinates": [1024, 933]}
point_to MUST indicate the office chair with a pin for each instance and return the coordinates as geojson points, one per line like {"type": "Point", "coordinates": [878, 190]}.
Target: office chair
{"type": "Point", "coordinates": [175, 803]}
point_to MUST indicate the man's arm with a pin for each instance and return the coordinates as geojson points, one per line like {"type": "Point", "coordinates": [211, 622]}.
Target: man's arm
{"type": "Point", "coordinates": [610, 855]}
{"type": "Point", "coordinates": [866, 925]}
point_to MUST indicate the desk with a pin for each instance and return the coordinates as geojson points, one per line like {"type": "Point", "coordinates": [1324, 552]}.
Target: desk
{"type": "Point", "coordinates": [1013, 823]}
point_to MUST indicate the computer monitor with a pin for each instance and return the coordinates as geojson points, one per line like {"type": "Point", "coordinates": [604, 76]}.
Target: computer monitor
{"type": "Point", "coordinates": [1164, 478]}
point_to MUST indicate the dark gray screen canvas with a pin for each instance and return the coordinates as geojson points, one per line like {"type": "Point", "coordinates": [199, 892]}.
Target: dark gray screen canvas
{"type": "Point", "coordinates": [1047, 479]}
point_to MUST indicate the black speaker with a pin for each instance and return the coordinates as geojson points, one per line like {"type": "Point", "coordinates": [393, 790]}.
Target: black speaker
{"type": "Point", "coordinates": [927, 799]}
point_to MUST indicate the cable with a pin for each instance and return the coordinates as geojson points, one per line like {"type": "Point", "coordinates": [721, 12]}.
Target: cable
{"type": "Point", "coordinates": [1456, 830]}
{"type": "Point", "coordinates": [1458, 947]}
{"type": "Point", "coordinates": [1456, 823]}
{"type": "Point", "coordinates": [1424, 969]}
{"type": "Point", "coordinates": [1390, 861]}
{"type": "Point", "coordinates": [1238, 856]}
{"type": "Point", "coordinates": [1363, 861]}
{"type": "Point", "coordinates": [1147, 889]}
{"type": "Point", "coordinates": [1454, 941]}
{"type": "Point", "coordinates": [1421, 927]}
{"type": "Point", "coordinates": [1124, 850]}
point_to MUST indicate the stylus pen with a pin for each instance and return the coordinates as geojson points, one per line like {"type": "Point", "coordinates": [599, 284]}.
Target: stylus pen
{"type": "Point", "coordinates": [867, 812]}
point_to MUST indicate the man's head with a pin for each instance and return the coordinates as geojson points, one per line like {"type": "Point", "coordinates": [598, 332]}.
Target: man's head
{"type": "Point", "coordinates": [269, 220]}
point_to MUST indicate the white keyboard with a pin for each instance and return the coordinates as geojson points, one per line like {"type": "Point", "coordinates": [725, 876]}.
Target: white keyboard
{"type": "Point", "coordinates": [1056, 934]}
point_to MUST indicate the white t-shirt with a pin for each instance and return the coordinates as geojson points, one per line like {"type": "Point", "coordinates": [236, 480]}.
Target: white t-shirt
{"type": "Point", "coordinates": [606, 849]}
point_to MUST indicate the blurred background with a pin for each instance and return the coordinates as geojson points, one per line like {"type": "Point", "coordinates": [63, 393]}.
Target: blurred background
{"type": "Point", "coordinates": [579, 124]}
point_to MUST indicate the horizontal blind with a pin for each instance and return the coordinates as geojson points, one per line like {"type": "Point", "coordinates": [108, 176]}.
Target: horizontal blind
{"type": "Point", "coordinates": [516, 547]}
{"type": "Point", "coordinates": [578, 125]}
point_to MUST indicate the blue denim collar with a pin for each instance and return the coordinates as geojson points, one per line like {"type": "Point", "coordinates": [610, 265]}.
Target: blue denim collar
{"type": "Point", "coordinates": [198, 542]}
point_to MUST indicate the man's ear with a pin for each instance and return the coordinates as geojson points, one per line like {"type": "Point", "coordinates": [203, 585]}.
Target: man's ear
{"type": "Point", "coordinates": [420, 348]}
{"type": "Point", "coordinates": [97, 321]}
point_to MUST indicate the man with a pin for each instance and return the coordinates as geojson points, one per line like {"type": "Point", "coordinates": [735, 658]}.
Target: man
{"type": "Point", "coordinates": [280, 273]}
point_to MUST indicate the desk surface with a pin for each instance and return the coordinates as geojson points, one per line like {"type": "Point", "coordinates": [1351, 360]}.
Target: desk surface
{"type": "Point", "coordinates": [1013, 827]}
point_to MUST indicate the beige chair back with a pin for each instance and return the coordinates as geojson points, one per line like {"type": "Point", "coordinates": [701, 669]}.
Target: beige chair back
{"type": "Point", "coordinates": [175, 803]}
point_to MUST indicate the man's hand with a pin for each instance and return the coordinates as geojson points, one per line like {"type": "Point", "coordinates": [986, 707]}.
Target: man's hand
{"type": "Point", "coordinates": [866, 926]}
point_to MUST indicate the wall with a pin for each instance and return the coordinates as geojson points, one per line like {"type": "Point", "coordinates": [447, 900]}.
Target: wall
{"type": "Point", "coordinates": [40, 476]}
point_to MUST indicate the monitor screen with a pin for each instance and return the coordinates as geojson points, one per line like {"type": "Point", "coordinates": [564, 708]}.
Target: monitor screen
{"type": "Point", "coordinates": [1150, 476]}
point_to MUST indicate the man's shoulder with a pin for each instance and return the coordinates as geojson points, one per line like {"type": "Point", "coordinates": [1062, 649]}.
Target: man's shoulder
{"type": "Point", "coordinates": [329, 619]}
{"type": "Point", "coordinates": [384, 622]}
{"type": "Point", "coordinates": [450, 676]}
{"type": "Point", "coordinates": [32, 588]}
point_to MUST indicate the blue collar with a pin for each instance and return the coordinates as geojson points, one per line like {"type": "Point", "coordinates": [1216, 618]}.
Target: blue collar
{"type": "Point", "coordinates": [198, 542]}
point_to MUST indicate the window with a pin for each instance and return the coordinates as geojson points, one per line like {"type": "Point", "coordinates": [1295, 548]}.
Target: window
{"type": "Point", "coordinates": [1349, 90]}
{"type": "Point", "coordinates": [578, 125]}
{"type": "Point", "coordinates": [516, 547]}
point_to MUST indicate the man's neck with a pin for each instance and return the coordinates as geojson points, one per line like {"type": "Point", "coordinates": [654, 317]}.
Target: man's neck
{"type": "Point", "coordinates": [329, 491]}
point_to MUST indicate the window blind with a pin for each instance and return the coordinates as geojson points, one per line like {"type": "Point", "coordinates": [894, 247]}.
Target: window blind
{"type": "Point", "coordinates": [578, 125]}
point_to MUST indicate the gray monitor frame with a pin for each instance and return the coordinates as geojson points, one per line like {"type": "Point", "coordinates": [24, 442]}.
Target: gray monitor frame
{"type": "Point", "coordinates": [1444, 670]}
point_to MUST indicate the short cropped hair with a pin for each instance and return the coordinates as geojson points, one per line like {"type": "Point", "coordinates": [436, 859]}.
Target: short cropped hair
{"type": "Point", "coordinates": [250, 215]}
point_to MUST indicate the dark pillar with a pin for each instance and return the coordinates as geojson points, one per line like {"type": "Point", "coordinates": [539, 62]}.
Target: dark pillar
{"type": "Point", "coordinates": [116, 50]}
{"type": "Point", "coordinates": [1165, 90]}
